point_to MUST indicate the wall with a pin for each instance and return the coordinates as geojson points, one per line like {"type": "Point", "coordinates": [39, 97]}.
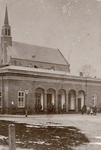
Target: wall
{"type": "Point", "coordinates": [13, 84]}
{"type": "Point", "coordinates": [32, 64]}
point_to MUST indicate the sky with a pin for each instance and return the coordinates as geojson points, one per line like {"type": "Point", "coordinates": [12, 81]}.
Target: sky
{"type": "Point", "coordinates": [72, 26]}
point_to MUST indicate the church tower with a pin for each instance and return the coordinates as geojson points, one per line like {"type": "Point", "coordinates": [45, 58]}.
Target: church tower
{"type": "Point", "coordinates": [6, 31]}
{"type": "Point", "coordinates": [6, 39]}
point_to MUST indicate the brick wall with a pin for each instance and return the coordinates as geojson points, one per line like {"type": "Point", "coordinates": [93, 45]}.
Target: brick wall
{"type": "Point", "coordinates": [13, 84]}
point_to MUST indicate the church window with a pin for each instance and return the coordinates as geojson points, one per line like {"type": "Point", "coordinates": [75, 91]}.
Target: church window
{"type": "Point", "coordinates": [9, 32]}
{"type": "Point", "coordinates": [21, 99]}
{"type": "Point", "coordinates": [5, 31]}
{"type": "Point", "coordinates": [0, 99]}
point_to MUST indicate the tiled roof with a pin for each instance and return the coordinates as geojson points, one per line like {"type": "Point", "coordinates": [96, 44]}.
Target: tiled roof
{"type": "Point", "coordinates": [36, 53]}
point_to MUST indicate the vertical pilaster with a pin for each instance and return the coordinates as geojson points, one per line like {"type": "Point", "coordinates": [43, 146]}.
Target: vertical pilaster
{"type": "Point", "coordinates": [5, 52]}
{"type": "Point", "coordinates": [56, 102]}
{"type": "Point", "coordinates": [66, 101]}
{"type": "Point", "coordinates": [45, 102]}
{"type": "Point", "coordinates": [76, 101]}
{"type": "Point", "coordinates": [86, 91]}
{"type": "Point", "coordinates": [85, 99]}
{"type": "Point", "coordinates": [34, 102]}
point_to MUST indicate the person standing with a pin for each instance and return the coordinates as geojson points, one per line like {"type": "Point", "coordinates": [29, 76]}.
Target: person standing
{"type": "Point", "coordinates": [88, 110]}
{"type": "Point", "coordinates": [91, 110]}
{"type": "Point", "coordinates": [83, 109]}
{"type": "Point", "coordinates": [94, 109]}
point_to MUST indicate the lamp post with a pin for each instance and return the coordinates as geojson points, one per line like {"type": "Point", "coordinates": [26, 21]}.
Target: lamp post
{"type": "Point", "coordinates": [26, 93]}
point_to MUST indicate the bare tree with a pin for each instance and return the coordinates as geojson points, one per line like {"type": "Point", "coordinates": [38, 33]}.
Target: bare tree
{"type": "Point", "coordinates": [87, 71]}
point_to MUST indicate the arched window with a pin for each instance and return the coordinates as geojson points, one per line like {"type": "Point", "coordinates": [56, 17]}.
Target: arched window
{"type": "Point", "coordinates": [6, 31]}
{"type": "Point", "coordinates": [9, 32]}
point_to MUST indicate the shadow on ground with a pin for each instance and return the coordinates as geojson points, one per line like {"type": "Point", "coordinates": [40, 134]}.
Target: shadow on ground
{"type": "Point", "coordinates": [38, 137]}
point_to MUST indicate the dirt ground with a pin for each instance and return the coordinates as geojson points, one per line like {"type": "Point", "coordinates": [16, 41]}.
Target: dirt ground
{"type": "Point", "coordinates": [88, 124]}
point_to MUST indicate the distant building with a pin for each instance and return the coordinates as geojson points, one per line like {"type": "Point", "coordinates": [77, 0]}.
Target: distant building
{"type": "Point", "coordinates": [38, 79]}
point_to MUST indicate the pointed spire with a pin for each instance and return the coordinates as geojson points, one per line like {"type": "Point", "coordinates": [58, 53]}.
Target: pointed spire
{"type": "Point", "coordinates": [6, 22]}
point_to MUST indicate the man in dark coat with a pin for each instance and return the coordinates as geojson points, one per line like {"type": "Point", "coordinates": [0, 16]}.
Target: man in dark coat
{"type": "Point", "coordinates": [83, 109]}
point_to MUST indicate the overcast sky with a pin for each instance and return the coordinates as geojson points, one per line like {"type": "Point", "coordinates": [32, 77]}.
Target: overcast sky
{"type": "Point", "coordinates": [73, 26]}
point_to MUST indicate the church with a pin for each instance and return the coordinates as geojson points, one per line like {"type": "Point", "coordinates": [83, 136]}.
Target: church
{"type": "Point", "coordinates": [37, 80]}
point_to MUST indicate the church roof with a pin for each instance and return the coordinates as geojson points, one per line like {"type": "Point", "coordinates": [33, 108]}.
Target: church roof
{"type": "Point", "coordinates": [6, 17]}
{"type": "Point", "coordinates": [36, 53]}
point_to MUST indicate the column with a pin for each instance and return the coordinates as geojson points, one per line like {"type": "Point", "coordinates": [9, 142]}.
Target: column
{"type": "Point", "coordinates": [66, 101]}
{"type": "Point", "coordinates": [86, 92]}
{"type": "Point", "coordinates": [56, 102]}
{"type": "Point", "coordinates": [34, 102]}
{"type": "Point", "coordinates": [76, 101]}
{"type": "Point", "coordinates": [45, 102]}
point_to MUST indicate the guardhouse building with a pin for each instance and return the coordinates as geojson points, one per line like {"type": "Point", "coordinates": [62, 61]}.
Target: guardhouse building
{"type": "Point", "coordinates": [38, 79]}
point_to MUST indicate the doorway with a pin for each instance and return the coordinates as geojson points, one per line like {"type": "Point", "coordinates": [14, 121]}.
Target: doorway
{"type": "Point", "coordinates": [79, 104]}
{"type": "Point", "coordinates": [49, 103]}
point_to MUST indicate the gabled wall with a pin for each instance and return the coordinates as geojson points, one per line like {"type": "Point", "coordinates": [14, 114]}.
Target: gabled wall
{"type": "Point", "coordinates": [36, 64]}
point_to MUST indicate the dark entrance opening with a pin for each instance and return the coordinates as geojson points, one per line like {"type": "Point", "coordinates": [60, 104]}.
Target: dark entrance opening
{"type": "Point", "coordinates": [59, 103]}
{"type": "Point", "coordinates": [79, 104]}
{"type": "Point", "coordinates": [38, 105]}
{"type": "Point", "coordinates": [49, 103]}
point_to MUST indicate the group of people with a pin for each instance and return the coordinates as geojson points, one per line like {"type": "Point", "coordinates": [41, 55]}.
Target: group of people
{"type": "Point", "coordinates": [51, 108]}
{"type": "Point", "coordinates": [38, 107]}
{"type": "Point", "coordinates": [89, 110]}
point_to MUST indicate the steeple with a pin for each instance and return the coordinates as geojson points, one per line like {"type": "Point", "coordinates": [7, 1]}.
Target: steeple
{"type": "Point", "coordinates": [6, 22]}
{"type": "Point", "coordinates": [6, 31]}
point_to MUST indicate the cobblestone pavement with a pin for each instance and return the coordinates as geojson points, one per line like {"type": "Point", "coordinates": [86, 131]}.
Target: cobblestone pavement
{"type": "Point", "coordinates": [88, 124]}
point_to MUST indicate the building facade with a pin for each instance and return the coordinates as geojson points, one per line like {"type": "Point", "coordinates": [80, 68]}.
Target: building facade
{"type": "Point", "coordinates": [38, 79]}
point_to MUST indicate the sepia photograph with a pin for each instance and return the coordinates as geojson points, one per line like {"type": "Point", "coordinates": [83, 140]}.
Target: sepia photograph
{"type": "Point", "coordinates": [50, 74]}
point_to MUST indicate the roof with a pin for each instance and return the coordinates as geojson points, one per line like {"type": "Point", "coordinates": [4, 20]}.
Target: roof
{"type": "Point", "coordinates": [44, 72]}
{"type": "Point", "coordinates": [28, 70]}
{"type": "Point", "coordinates": [36, 53]}
{"type": "Point", "coordinates": [6, 22]}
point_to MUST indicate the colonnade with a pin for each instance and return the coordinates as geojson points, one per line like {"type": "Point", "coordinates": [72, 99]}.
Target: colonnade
{"type": "Point", "coordinates": [60, 101]}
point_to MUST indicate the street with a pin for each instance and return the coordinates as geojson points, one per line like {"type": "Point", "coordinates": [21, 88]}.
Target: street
{"type": "Point", "coordinates": [89, 125]}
